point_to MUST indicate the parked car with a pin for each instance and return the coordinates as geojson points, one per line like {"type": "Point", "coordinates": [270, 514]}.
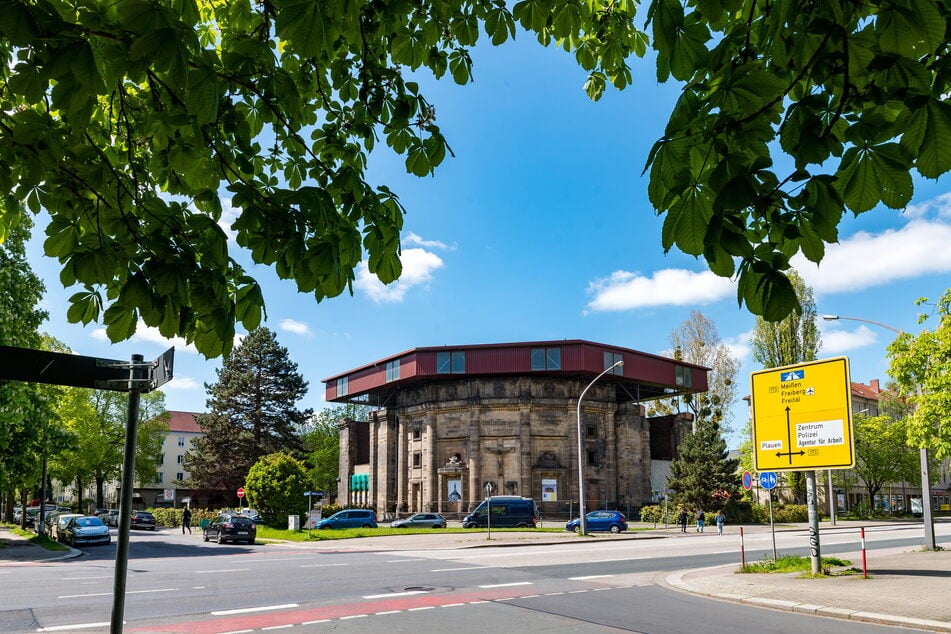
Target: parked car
{"type": "Point", "coordinates": [109, 517]}
{"type": "Point", "coordinates": [143, 519]}
{"type": "Point", "coordinates": [350, 518]}
{"type": "Point", "coordinates": [420, 520]}
{"type": "Point", "coordinates": [612, 521]}
{"type": "Point", "coordinates": [231, 527]}
{"type": "Point", "coordinates": [507, 511]}
{"type": "Point", "coordinates": [57, 526]}
{"type": "Point", "coordinates": [86, 529]}
{"type": "Point", "coordinates": [252, 515]}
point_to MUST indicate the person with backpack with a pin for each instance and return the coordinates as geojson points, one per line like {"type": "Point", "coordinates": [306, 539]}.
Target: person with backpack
{"type": "Point", "coordinates": [720, 520]}
{"type": "Point", "coordinates": [701, 518]}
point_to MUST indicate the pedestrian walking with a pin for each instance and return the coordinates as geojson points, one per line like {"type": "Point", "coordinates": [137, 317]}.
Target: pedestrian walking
{"type": "Point", "coordinates": [682, 518]}
{"type": "Point", "coordinates": [701, 518]}
{"type": "Point", "coordinates": [720, 520]}
{"type": "Point", "coordinates": [186, 520]}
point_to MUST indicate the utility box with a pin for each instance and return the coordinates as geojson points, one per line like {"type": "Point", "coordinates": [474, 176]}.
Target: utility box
{"type": "Point", "coordinates": [293, 522]}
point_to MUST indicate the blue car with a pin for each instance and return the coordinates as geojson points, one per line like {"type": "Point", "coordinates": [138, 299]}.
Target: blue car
{"type": "Point", "coordinates": [612, 521]}
{"type": "Point", "coordinates": [351, 518]}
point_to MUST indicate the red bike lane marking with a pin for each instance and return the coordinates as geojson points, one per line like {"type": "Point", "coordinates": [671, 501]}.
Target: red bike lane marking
{"type": "Point", "coordinates": [295, 617]}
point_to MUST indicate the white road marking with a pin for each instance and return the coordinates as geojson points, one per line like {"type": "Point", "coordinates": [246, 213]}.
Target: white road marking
{"type": "Point", "coordinates": [277, 627]}
{"type": "Point", "coordinates": [589, 577]}
{"type": "Point", "coordinates": [425, 607]}
{"type": "Point", "coordinates": [262, 608]}
{"type": "Point", "coordinates": [455, 569]}
{"type": "Point", "coordinates": [206, 572]}
{"type": "Point", "coordinates": [77, 626]}
{"type": "Point", "coordinates": [390, 595]}
{"type": "Point", "coordinates": [354, 616]}
{"type": "Point", "coordinates": [315, 622]}
{"type": "Point", "coordinates": [387, 612]}
{"type": "Point", "coordinates": [507, 585]}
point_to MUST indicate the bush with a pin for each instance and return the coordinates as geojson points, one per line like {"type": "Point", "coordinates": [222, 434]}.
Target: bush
{"type": "Point", "coordinates": [654, 514]}
{"type": "Point", "coordinates": [781, 513]}
{"type": "Point", "coordinates": [170, 517]}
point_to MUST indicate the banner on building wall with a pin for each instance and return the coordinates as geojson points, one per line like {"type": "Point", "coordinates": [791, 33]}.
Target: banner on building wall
{"type": "Point", "coordinates": [549, 490]}
{"type": "Point", "coordinates": [454, 491]}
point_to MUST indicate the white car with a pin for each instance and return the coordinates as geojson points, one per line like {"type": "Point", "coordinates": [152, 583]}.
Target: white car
{"type": "Point", "coordinates": [59, 523]}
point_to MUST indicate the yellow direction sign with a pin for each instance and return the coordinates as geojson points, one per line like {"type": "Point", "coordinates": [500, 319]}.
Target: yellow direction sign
{"type": "Point", "coordinates": [802, 417]}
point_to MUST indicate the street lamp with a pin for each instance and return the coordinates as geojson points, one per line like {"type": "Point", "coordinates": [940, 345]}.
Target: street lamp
{"type": "Point", "coordinates": [583, 523]}
{"type": "Point", "coordinates": [929, 543]}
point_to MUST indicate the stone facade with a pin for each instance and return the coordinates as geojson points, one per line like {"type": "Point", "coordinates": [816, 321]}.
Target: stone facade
{"type": "Point", "coordinates": [442, 445]}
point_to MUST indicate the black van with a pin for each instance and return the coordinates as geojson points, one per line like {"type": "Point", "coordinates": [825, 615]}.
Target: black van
{"type": "Point", "coordinates": [508, 511]}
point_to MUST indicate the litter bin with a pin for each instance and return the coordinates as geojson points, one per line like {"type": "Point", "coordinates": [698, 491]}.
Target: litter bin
{"type": "Point", "coordinates": [293, 522]}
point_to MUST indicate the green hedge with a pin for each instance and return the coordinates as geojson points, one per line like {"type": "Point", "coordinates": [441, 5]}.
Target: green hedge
{"type": "Point", "coordinates": [173, 517]}
{"type": "Point", "coordinates": [781, 513]}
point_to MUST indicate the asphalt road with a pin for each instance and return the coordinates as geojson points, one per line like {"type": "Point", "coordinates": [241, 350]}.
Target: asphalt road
{"type": "Point", "coordinates": [180, 584]}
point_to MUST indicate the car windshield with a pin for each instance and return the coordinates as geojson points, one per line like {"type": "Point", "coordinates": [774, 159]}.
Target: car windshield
{"type": "Point", "coordinates": [88, 521]}
{"type": "Point", "coordinates": [243, 521]}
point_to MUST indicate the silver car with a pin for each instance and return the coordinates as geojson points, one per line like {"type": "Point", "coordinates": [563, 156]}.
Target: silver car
{"type": "Point", "coordinates": [420, 520]}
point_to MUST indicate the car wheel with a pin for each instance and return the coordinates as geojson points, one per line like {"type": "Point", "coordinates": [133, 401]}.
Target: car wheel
{"type": "Point", "coordinates": [522, 525]}
{"type": "Point", "coordinates": [439, 526]}
{"type": "Point", "coordinates": [204, 536]}
{"type": "Point", "coordinates": [577, 529]}
{"type": "Point", "coordinates": [151, 528]}
{"type": "Point", "coordinates": [615, 528]}
{"type": "Point", "coordinates": [366, 526]}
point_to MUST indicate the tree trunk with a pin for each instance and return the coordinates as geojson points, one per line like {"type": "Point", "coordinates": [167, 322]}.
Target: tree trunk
{"type": "Point", "coordinates": [100, 482]}
{"type": "Point", "coordinates": [79, 493]}
{"type": "Point", "coordinates": [23, 507]}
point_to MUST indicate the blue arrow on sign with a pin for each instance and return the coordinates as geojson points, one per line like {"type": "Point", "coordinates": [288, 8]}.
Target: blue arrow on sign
{"type": "Point", "coordinates": [767, 479]}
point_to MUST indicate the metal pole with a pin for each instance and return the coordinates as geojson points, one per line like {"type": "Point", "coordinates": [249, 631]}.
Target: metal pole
{"type": "Point", "coordinates": [582, 522]}
{"type": "Point", "coordinates": [772, 526]}
{"type": "Point", "coordinates": [864, 564]}
{"type": "Point", "coordinates": [125, 498]}
{"type": "Point", "coordinates": [831, 499]}
{"type": "Point", "coordinates": [742, 549]}
{"type": "Point", "coordinates": [814, 549]}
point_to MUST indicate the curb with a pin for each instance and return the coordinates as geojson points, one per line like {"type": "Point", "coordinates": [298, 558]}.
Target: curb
{"type": "Point", "coordinates": [675, 581]}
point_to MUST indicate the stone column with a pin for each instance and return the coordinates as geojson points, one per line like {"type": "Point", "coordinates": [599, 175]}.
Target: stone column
{"type": "Point", "coordinates": [402, 467]}
{"type": "Point", "coordinates": [430, 462]}
{"type": "Point", "coordinates": [610, 453]}
{"type": "Point", "coordinates": [474, 457]}
{"type": "Point", "coordinates": [373, 485]}
{"type": "Point", "coordinates": [524, 477]}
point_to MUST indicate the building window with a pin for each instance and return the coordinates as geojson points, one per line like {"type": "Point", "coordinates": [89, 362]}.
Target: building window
{"type": "Point", "coordinates": [160, 477]}
{"type": "Point", "coordinates": [180, 459]}
{"type": "Point", "coordinates": [343, 386]}
{"type": "Point", "coordinates": [392, 370]}
{"type": "Point", "coordinates": [417, 459]}
{"type": "Point", "coordinates": [546, 358]}
{"type": "Point", "coordinates": [683, 376]}
{"type": "Point", "coordinates": [181, 441]}
{"type": "Point", "coordinates": [417, 434]}
{"type": "Point", "coordinates": [179, 476]}
{"type": "Point", "coordinates": [453, 362]}
{"type": "Point", "coordinates": [592, 431]}
{"type": "Point", "coordinates": [610, 358]}
{"type": "Point", "coordinates": [593, 458]}
{"type": "Point", "coordinates": [161, 460]}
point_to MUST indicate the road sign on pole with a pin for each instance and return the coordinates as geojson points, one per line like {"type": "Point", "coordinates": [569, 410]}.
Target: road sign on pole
{"type": "Point", "coordinates": [768, 479]}
{"type": "Point", "coordinates": [241, 492]}
{"type": "Point", "coordinates": [747, 480]}
{"type": "Point", "coordinates": [802, 417]}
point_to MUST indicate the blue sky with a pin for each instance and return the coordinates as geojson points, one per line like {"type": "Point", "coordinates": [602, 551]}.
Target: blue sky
{"type": "Point", "coordinates": [539, 229]}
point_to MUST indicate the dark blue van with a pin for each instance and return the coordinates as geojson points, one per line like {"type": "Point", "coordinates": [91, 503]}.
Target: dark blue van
{"type": "Point", "coordinates": [503, 511]}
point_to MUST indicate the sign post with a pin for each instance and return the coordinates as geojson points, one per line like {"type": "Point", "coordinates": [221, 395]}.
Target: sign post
{"type": "Point", "coordinates": [802, 421]}
{"type": "Point", "coordinates": [767, 480]}
{"type": "Point", "coordinates": [240, 497]}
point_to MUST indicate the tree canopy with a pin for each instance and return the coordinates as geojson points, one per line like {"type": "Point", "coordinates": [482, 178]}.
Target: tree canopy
{"type": "Point", "coordinates": [253, 412]}
{"type": "Point", "coordinates": [129, 121]}
{"type": "Point", "coordinates": [703, 475]}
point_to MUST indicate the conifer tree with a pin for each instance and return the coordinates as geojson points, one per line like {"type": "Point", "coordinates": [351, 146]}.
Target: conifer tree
{"type": "Point", "coordinates": [703, 475]}
{"type": "Point", "coordinates": [252, 413]}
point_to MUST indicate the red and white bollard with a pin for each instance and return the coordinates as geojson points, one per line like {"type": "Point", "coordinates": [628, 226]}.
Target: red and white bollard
{"type": "Point", "coordinates": [864, 564]}
{"type": "Point", "coordinates": [742, 549]}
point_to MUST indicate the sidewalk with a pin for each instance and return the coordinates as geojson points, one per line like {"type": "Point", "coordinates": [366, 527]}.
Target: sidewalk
{"type": "Point", "coordinates": [17, 550]}
{"type": "Point", "coordinates": [905, 587]}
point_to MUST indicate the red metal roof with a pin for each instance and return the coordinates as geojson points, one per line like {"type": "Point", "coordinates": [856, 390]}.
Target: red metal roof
{"type": "Point", "coordinates": [644, 376]}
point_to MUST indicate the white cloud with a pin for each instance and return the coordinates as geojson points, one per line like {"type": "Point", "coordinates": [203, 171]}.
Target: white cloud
{"type": "Point", "coordinates": [839, 341]}
{"type": "Point", "coordinates": [415, 239]}
{"type": "Point", "coordinates": [182, 383]}
{"type": "Point", "coordinates": [148, 334]}
{"type": "Point", "coordinates": [623, 290]}
{"type": "Point", "coordinates": [866, 260]}
{"type": "Point", "coordinates": [740, 346]}
{"type": "Point", "coordinates": [418, 268]}
{"type": "Point", "coordinates": [295, 327]}
{"type": "Point", "coordinates": [229, 214]}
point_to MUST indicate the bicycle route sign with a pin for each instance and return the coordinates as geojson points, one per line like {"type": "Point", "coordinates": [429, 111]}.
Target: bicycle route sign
{"type": "Point", "coordinates": [802, 417]}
